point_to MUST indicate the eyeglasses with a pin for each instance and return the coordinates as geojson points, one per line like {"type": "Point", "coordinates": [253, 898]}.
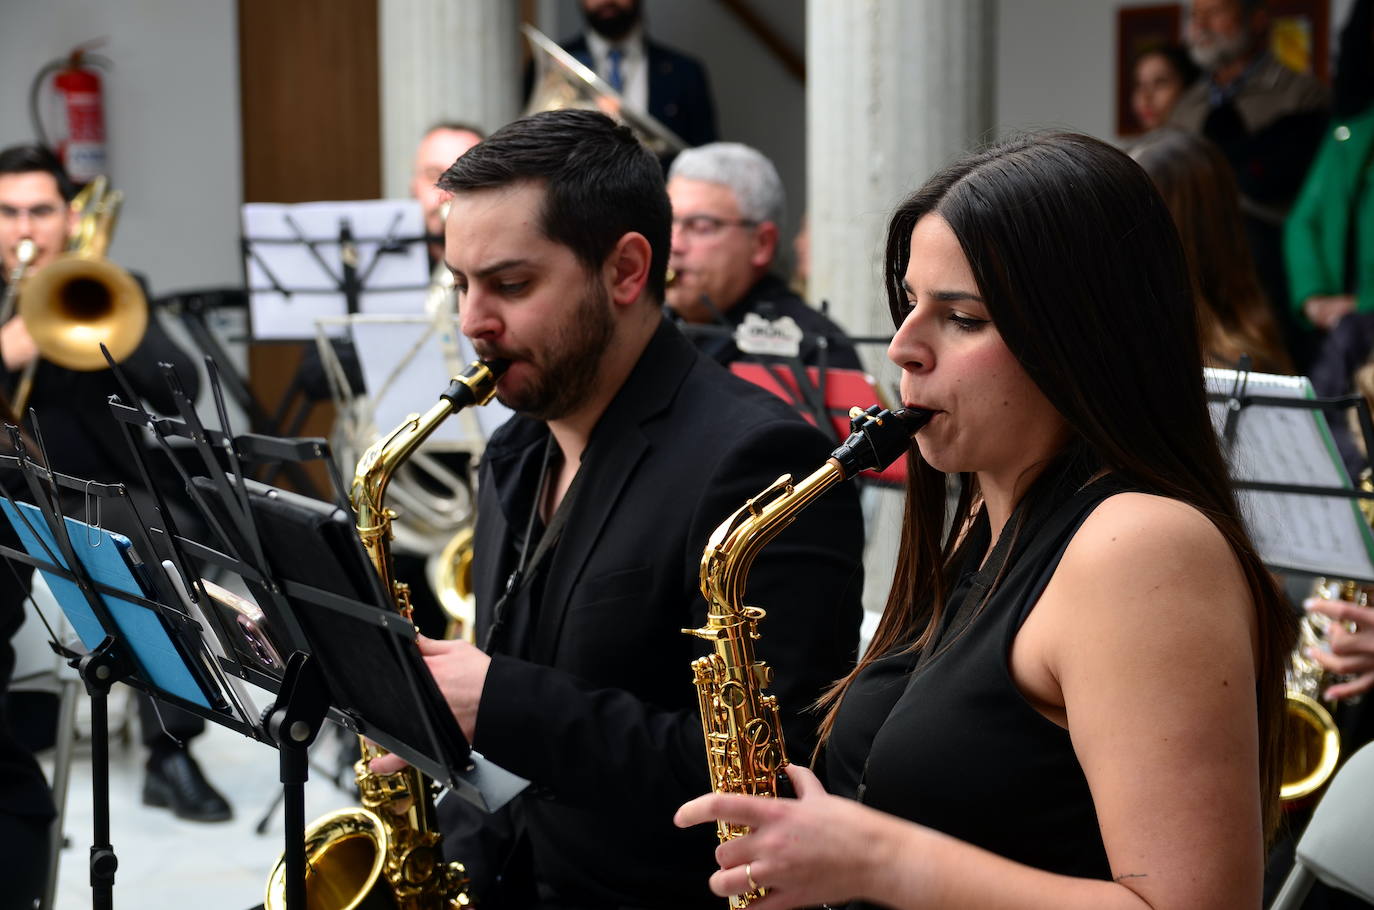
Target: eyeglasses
{"type": "Point", "coordinates": [708, 225]}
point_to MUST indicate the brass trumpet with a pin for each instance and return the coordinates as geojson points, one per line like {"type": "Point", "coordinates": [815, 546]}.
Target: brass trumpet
{"type": "Point", "coordinates": [81, 300]}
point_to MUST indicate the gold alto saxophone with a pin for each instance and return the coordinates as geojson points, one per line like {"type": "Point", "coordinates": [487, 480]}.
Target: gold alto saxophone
{"type": "Point", "coordinates": [745, 752]}
{"type": "Point", "coordinates": [387, 853]}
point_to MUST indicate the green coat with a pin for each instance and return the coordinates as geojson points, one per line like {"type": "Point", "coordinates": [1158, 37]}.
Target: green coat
{"type": "Point", "coordinates": [1337, 189]}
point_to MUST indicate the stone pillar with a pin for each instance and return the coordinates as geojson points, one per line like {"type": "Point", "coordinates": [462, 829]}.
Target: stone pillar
{"type": "Point", "coordinates": [444, 60]}
{"type": "Point", "coordinates": [895, 88]}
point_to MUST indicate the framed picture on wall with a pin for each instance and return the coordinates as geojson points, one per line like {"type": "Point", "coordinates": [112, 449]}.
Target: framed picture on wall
{"type": "Point", "coordinates": [1139, 30]}
{"type": "Point", "coordinates": [1300, 35]}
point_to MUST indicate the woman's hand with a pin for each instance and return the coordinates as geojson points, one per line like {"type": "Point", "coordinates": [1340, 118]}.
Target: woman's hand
{"type": "Point", "coordinates": [806, 851]}
{"type": "Point", "coordinates": [1351, 643]}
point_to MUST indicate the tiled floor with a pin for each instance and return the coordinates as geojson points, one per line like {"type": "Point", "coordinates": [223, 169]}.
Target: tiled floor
{"type": "Point", "coordinates": [165, 862]}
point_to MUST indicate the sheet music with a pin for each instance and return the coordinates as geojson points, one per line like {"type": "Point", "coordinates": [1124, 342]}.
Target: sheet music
{"type": "Point", "coordinates": [1325, 535]}
{"type": "Point", "coordinates": [277, 257]}
{"type": "Point", "coordinates": [407, 362]}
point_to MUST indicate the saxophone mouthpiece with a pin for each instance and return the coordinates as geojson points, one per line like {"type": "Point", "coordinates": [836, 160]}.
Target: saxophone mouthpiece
{"type": "Point", "coordinates": [475, 385]}
{"type": "Point", "coordinates": [878, 437]}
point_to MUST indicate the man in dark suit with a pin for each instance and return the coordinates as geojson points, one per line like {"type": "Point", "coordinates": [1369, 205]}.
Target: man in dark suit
{"type": "Point", "coordinates": [652, 77]}
{"type": "Point", "coordinates": [595, 505]}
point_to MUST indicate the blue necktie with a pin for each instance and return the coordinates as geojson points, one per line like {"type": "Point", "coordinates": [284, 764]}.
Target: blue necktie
{"type": "Point", "coordinates": [617, 81]}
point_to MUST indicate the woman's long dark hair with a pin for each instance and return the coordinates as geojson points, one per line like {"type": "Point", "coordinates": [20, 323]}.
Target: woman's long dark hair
{"type": "Point", "coordinates": [1197, 184]}
{"type": "Point", "coordinates": [1084, 276]}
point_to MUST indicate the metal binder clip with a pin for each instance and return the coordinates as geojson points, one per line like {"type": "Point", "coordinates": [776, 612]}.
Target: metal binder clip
{"type": "Point", "coordinates": [93, 536]}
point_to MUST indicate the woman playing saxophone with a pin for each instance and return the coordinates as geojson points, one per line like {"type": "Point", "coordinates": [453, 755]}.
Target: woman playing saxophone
{"type": "Point", "coordinates": [1075, 697]}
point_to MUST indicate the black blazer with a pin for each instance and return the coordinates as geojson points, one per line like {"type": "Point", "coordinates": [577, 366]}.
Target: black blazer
{"type": "Point", "coordinates": [679, 94]}
{"type": "Point", "coordinates": [603, 718]}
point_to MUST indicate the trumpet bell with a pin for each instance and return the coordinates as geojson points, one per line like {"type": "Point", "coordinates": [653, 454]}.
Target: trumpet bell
{"type": "Point", "coordinates": [76, 304]}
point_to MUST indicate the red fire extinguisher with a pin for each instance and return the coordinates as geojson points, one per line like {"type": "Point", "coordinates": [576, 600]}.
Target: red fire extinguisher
{"type": "Point", "coordinates": [80, 135]}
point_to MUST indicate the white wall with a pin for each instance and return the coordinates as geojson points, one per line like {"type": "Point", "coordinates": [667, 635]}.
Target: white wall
{"type": "Point", "coordinates": [172, 123]}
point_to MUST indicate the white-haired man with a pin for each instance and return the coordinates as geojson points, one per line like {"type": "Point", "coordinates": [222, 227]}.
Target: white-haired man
{"type": "Point", "coordinates": [728, 203]}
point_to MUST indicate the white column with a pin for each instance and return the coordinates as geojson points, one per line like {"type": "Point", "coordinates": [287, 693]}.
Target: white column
{"type": "Point", "coordinates": [895, 89]}
{"type": "Point", "coordinates": [444, 60]}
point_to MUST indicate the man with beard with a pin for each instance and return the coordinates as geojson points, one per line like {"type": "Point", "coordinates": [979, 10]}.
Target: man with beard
{"type": "Point", "coordinates": [594, 507]}
{"type": "Point", "coordinates": [1267, 120]}
{"type": "Point", "coordinates": [669, 85]}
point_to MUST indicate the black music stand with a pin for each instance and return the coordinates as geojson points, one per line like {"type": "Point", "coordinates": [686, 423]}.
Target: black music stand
{"type": "Point", "coordinates": [1235, 394]}
{"type": "Point", "coordinates": [115, 658]}
{"type": "Point", "coordinates": [361, 268]}
{"type": "Point", "coordinates": [330, 628]}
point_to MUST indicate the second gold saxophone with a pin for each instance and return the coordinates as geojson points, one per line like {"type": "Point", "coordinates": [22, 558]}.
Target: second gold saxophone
{"type": "Point", "coordinates": [388, 853]}
{"type": "Point", "coordinates": [745, 752]}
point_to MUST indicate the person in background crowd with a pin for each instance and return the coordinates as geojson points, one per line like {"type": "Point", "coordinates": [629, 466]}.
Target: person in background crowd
{"type": "Point", "coordinates": [1159, 78]}
{"type": "Point", "coordinates": [1233, 317]}
{"type": "Point", "coordinates": [1267, 120]}
{"type": "Point", "coordinates": [1329, 238]}
{"type": "Point", "coordinates": [728, 203]}
{"type": "Point", "coordinates": [438, 149]}
{"type": "Point", "coordinates": [651, 77]}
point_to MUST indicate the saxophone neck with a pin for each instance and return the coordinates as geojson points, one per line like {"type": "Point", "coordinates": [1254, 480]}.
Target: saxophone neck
{"type": "Point", "coordinates": [735, 543]}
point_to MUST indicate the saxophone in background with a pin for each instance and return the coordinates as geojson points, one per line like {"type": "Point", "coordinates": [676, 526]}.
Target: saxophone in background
{"type": "Point", "coordinates": [745, 752]}
{"type": "Point", "coordinates": [387, 854]}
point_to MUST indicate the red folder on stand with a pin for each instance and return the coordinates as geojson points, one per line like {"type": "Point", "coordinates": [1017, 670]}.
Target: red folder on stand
{"type": "Point", "coordinates": [841, 390]}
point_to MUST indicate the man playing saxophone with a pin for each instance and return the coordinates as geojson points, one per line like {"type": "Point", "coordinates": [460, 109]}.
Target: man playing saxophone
{"type": "Point", "coordinates": [595, 503]}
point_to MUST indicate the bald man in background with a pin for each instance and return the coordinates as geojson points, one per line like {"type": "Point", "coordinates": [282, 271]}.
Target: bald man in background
{"type": "Point", "coordinates": [442, 144]}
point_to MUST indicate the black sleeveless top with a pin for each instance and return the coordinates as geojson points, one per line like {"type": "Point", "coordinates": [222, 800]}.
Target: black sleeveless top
{"type": "Point", "coordinates": [946, 739]}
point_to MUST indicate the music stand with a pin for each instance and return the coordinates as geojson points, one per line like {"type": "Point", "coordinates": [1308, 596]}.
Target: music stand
{"type": "Point", "coordinates": [125, 643]}
{"type": "Point", "coordinates": [320, 678]}
{"type": "Point", "coordinates": [1299, 504]}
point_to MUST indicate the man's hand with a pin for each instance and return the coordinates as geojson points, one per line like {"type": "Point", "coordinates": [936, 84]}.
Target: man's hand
{"type": "Point", "coordinates": [17, 345]}
{"type": "Point", "coordinates": [1326, 311]}
{"type": "Point", "coordinates": [460, 671]}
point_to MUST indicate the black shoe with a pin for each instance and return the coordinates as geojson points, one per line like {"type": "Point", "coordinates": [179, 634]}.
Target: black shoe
{"type": "Point", "coordinates": [175, 782]}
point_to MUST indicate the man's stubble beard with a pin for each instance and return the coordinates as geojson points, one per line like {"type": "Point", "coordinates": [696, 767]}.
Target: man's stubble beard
{"type": "Point", "coordinates": [574, 354]}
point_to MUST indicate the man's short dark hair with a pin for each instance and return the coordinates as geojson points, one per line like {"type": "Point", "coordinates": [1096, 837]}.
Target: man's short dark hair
{"type": "Point", "coordinates": [29, 159]}
{"type": "Point", "coordinates": [600, 183]}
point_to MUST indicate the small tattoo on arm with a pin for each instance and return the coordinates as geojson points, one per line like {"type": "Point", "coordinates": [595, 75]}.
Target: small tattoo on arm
{"type": "Point", "coordinates": [1129, 875]}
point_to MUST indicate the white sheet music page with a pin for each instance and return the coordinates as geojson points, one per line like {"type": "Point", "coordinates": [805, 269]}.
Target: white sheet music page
{"type": "Point", "coordinates": [407, 361]}
{"type": "Point", "coordinates": [294, 262]}
{"type": "Point", "coordinates": [1325, 535]}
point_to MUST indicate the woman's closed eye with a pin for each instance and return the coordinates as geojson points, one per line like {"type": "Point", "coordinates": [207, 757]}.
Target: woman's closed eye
{"type": "Point", "coordinates": [966, 323]}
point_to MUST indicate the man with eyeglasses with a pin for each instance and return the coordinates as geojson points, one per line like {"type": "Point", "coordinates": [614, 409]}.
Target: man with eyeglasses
{"type": "Point", "coordinates": [82, 438]}
{"type": "Point", "coordinates": [728, 203]}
